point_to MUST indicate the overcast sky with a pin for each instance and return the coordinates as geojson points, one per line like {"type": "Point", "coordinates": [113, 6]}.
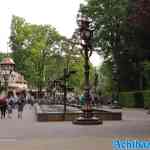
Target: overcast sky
{"type": "Point", "coordinates": [59, 13]}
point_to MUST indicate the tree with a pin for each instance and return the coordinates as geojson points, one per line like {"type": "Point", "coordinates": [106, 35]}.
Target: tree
{"type": "Point", "coordinates": [105, 78]}
{"type": "Point", "coordinates": [138, 20]}
{"type": "Point", "coordinates": [41, 53]}
{"type": "Point", "coordinates": [111, 34]}
{"type": "Point", "coordinates": [2, 56]}
{"type": "Point", "coordinates": [140, 14]}
{"type": "Point", "coordinates": [109, 17]}
{"type": "Point", "coordinates": [32, 47]}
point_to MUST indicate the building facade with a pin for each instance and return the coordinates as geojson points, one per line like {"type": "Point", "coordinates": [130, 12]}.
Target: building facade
{"type": "Point", "coordinates": [14, 80]}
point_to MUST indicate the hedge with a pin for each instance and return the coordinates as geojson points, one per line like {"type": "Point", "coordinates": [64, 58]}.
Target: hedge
{"type": "Point", "coordinates": [135, 99]}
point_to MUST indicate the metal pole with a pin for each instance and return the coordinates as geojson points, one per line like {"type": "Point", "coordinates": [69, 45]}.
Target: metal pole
{"type": "Point", "coordinates": [86, 76]}
{"type": "Point", "coordinates": [87, 88]}
{"type": "Point", "coordinates": [65, 90]}
{"type": "Point", "coordinates": [86, 69]}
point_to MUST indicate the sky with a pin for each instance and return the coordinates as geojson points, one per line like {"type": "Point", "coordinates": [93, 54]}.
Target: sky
{"type": "Point", "coordinates": [59, 13]}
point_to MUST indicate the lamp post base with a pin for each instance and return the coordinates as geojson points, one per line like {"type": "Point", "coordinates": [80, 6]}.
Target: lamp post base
{"type": "Point", "coordinates": [87, 121]}
{"type": "Point", "coordinates": [87, 118]}
{"type": "Point", "coordinates": [115, 106]}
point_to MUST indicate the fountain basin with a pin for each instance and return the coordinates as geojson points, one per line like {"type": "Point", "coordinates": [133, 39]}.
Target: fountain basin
{"type": "Point", "coordinates": [46, 113]}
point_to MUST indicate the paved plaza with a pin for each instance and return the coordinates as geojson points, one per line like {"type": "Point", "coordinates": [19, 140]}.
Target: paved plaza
{"type": "Point", "coordinates": [27, 134]}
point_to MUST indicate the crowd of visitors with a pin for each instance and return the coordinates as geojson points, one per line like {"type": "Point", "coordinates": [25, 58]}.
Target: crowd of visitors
{"type": "Point", "coordinates": [13, 101]}
{"type": "Point", "coordinates": [16, 101]}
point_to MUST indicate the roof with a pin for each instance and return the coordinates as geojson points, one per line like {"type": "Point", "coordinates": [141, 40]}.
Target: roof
{"type": "Point", "coordinates": [7, 61]}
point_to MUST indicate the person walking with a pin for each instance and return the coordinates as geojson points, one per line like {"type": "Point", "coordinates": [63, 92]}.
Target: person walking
{"type": "Point", "coordinates": [20, 103]}
{"type": "Point", "coordinates": [3, 106]}
{"type": "Point", "coordinates": [10, 103]}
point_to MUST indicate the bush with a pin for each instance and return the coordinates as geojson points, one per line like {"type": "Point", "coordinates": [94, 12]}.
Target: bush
{"type": "Point", "coordinates": [135, 99]}
{"type": "Point", "coordinates": [139, 99]}
{"type": "Point", "coordinates": [146, 99]}
{"type": "Point", "coordinates": [126, 99]}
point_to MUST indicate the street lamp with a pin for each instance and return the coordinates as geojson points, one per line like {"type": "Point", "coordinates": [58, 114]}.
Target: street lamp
{"type": "Point", "coordinates": [85, 33]}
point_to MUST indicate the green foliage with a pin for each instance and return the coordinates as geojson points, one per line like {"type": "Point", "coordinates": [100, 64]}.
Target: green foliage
{"type": "Point", "coordinates": [2, 56]}
{"type": "Point", "coordinates": [105, 77]}
{"type": "Point", "coordinates": [109, 17]}
{"type": "Point", "coordinates": [111, 36]}
{"type": "Point", "coordinates": [41, 54]}
{"type": "Point", "coordinates": [126, 99]}
{"type": "Point", "coordinates": [77, 80]}
{"type": "Point", "coordinates": [32, 46]}
{"type": "Point", "coordinates": [122, 34]}
{"type": "Point", "coordinates": [139, 99]}
{"type": "Point", "coordinates": [146, 73]}
{"type": "Point", "coordinates": [146, 99]}
{"type": "Point", "coordinates": [135, 99]}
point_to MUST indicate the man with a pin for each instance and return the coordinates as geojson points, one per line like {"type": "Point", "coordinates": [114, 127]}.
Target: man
{"type": "Point", "coordinates": [3, 106]}
{"type": "Point", "coordinates": [20, 103]}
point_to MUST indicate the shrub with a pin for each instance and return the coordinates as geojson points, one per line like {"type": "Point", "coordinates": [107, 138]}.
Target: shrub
{"type": "Point", "coordinates": [126, 99]}
{"type": "Point", "coordinates": [146, 95]}
{"type": "Point", "coordinates": [135, 99]}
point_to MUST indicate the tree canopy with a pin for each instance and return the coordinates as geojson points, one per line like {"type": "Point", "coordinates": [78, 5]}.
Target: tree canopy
{"type": "Point", "coordinates": [41, 53]}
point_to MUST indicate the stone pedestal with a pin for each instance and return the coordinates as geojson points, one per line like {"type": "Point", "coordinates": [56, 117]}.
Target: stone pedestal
{"type": "Point", "coordinates": [87, 121]}
{"type": "Point", "coordinates": [115, 106]}
{"type": "Point", "coordinates": [87, 118]}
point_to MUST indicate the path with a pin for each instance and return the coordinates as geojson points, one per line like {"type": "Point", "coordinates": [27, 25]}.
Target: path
{"type": "Point", "coordinates": [28, 134]}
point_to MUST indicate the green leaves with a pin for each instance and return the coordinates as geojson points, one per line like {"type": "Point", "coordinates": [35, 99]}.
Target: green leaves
{"type": "Point", "coordinates": [32, 47]}
{"type": "Point", "coordinates": [105, 77]}
{"type": "Point", "coordinates": [41, 53]}
{"type": "Point", "coordinates": [107, 16]}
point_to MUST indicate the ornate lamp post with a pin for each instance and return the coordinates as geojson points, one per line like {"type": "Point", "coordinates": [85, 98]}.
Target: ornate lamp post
{"type": "Point", "coordinates": [7, 66]}
{"type": "Point", "coordinates": [85, 33]}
